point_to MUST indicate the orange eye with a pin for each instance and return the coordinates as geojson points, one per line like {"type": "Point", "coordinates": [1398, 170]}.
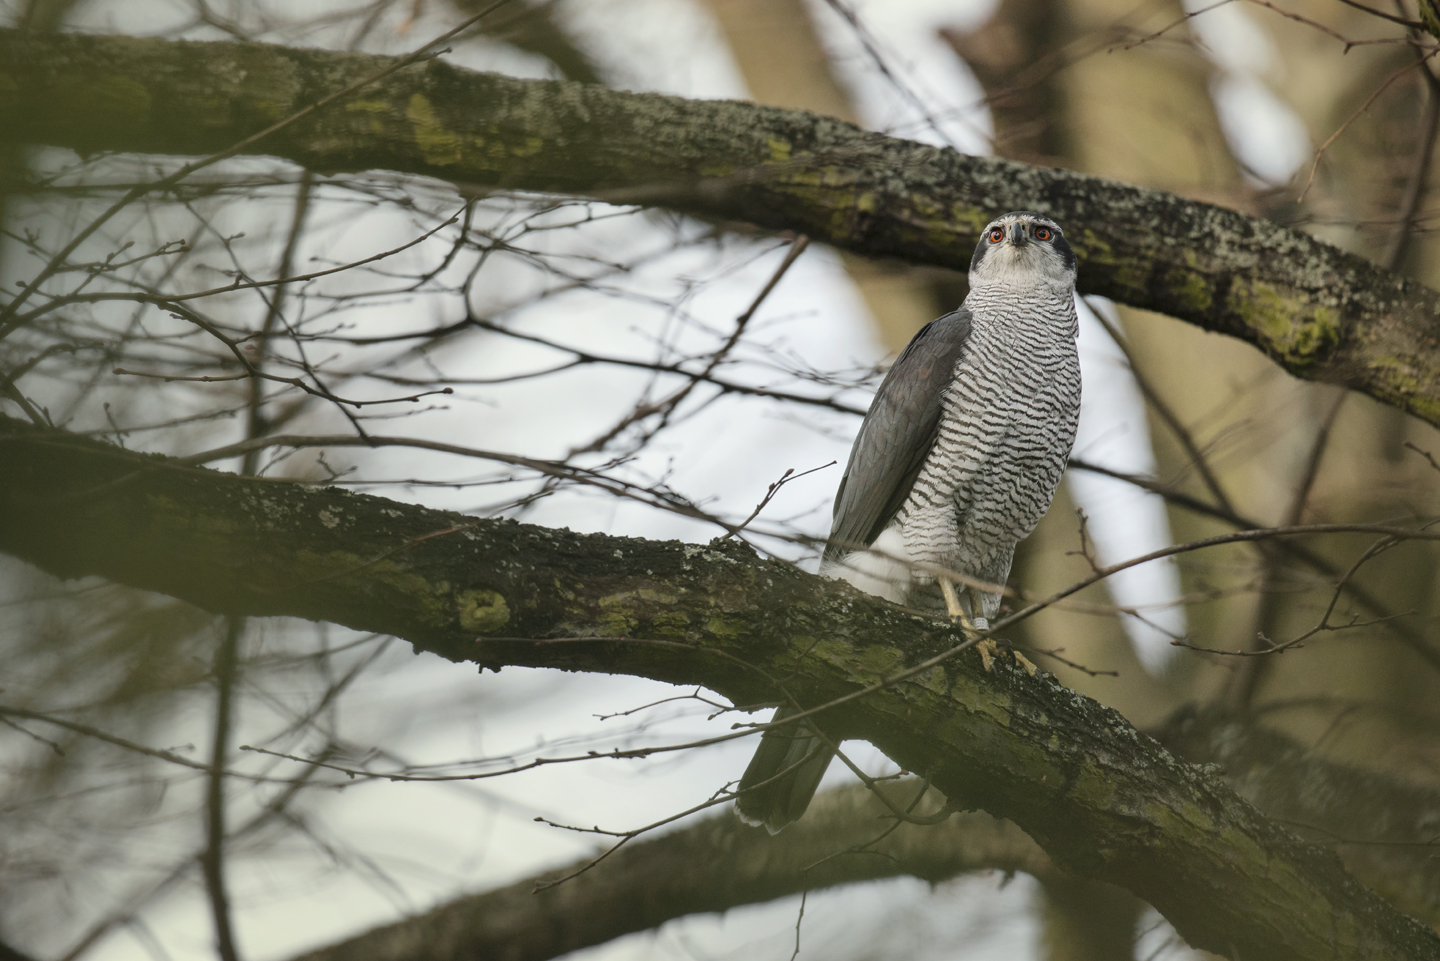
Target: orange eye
{"type": "Point", "coordinates": [1043, 233]}
{"type": "Point", "coordinates": [997, 235]}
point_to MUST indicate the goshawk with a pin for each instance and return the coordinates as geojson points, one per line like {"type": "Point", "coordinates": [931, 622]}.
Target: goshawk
{"type": "Point", "coordinates": [955, 463]}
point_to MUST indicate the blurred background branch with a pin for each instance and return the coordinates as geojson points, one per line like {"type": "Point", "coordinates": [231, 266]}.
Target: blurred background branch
{"type": "Point", "coordinates": [539, 326]}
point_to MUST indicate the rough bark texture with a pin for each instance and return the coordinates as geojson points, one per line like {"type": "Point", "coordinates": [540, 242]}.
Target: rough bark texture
{"type": "Point", "coordinates": [650, 882]}
{"type": "Point", "coordinates": [1383, 829]}
{"type": "Point", "coordinates": [1103, 800]}
{"type": "Point", "coordinates": [1319, 312]}
{"type": "Point", "coordinates": [1386, 830]}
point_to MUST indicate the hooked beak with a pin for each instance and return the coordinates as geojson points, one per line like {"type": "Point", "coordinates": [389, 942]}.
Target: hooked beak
{"type": "Point", "coordinates": [1018, 236]}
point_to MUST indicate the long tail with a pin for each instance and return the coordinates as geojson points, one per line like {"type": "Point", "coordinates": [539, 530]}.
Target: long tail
{"type": "Point", "coordinates": [785, 797]}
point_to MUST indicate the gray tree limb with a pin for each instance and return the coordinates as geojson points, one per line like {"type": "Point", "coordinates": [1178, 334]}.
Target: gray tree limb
{"type": "Point", "coordinates": [1384, 830]}
{"type": "Point", "coordinates": [1101, 799]}
{"type": "Point", "coordinates": [715, 865]}
{"type": "Point", "coordinates": [1319, 312]}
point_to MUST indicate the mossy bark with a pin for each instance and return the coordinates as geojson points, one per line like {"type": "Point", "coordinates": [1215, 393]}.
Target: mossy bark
{"type": "Point", "coordinates": [1387, 825]}
{"type": "Point", "coordinates": [1102, 799]}
{"type": "Point", "coordinates": [656, 880]}
{"type": "Point", "coordinates": [1319, 312]}
{"type": "Point", "coordinates": [1383, 827]}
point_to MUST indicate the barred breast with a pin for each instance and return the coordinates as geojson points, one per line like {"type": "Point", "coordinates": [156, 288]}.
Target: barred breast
{"type": "Point", "coordinates": [1006, 430]}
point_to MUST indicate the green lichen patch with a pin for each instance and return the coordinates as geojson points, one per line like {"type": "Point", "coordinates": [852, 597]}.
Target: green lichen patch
{"type": "Point", "coordinates": [627, 600]}
{"type": "Point", "coordinates": [1192, 288]}
{"type": "Point", "coordinates": [968, 218]}
{"type": "Point", "coordinates": [379, 581]}
{"type": "Point", "coordinates": [439, 144]}
{"type": "Point", "coordinates": [670, 624]}
{"type": "Point", "coordinates": [875, 661]}
{"type": "Point", "coordinates": [529, 148]}
{"type": "Point", "coordinates": [718, 626]}
{"type": "Point", "coordinates": [1298, 333]}
{"type": "Point", "coordinates": [1090, 248]}
{"type": "Point", "coordinates": [1398, 384]}
{"type": "Point", "coordinates": [623, 612]}
{"type": "Point", "coordinates": [480, 611]}
{"type": "Point", "coordinates": [375, 109]}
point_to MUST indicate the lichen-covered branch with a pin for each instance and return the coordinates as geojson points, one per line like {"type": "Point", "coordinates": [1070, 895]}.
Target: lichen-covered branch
{"type": "Point", "coordinates": [1103, 800]}
{"type": "Point", "coordinates": [1383, 829]}
{"type": "Point", "coordinates": [650, 882]}
{"type": "Point", "coordinates": [1386, 830]}
{"type": "Point", "coordinates": [1319, 312]}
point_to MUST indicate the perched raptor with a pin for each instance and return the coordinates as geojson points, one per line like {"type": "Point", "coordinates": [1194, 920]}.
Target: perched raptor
{"type": "Point", "coordinates": [956, 462]}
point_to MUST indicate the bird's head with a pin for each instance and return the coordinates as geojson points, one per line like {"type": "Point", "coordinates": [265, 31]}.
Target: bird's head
{"type": "Point", "coordinates": [1022, 249]}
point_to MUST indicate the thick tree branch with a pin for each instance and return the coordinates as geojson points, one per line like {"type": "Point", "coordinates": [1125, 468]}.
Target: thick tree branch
{"type": "Point", "coordinates": [1383, 829]}
{"type": "Point", "coordinates": [1319, 312]}
{"type": "Point", "coordinates": [1386, 830]}
{"type": "Point", "coordinates": [651, 882]}
{"type": "Point", "coordinates": [1103, 800]}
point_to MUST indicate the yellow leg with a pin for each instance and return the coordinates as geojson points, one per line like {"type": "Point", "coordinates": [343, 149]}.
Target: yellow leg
{"type": "Point", "coordinates": [954, 607]}
{"type": "Point", "coordinates": [1026, 663]}
{"type": "Point", "coordinates": [957, 613]}
{"type": "Point", "coordinates": [986, 647]}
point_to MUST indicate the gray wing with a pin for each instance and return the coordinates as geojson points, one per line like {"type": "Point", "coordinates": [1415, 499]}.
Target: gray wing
{"type": "Point", "coordinates": [897, 435]}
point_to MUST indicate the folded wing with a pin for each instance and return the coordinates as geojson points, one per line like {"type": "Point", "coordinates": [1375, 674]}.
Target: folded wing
{"type": "Point", "coordinates": [897, 435]}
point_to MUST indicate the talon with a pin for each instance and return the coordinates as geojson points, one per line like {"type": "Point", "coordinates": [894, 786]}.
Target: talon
{"type": "Point", "coordinates": [1026, 663]}
{"type": "Point", "coordinates": [956, 610]}
{"type": "Point", "coordinates": [988, 653]}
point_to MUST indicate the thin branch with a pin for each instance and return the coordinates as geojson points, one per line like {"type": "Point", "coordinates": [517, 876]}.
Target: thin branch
{"type": "Point", "coordinates": [1404, 22]}
{"type": "Point", "coordinates": [750, 610]}
{"type": "Point", "coordinates": [1364, 108]}
{"type": "Point", "coordinates": [9, 389]}
{"type": "Point", "coordinates": [227, 665]}
{"type": "Point", "coordinates": [1349, 43]}
{"type": "Point", "coordinates": [99, 735]}
{"type": "Point", "coordinates": [625, 837]}
{"type": "Point", "coordinates": [774, 489]}
{"type": "Point", "coordinates": [1165, 412]}
{"type": "Point", "coordinates": [7, 324]}
{"type": "Point", "coordinates": [281, 280]}
{"type": "Point", "coordinates": [1244, 683]}
{"type": "Point", "coordinates": [666, 407]}
{"type": "Point", "coordinates": [1414, 640]}
{"type": "Point", "coordinates": [1415, 184]}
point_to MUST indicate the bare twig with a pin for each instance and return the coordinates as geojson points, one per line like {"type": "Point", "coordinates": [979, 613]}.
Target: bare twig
{"type": "Point", "coordinates": [1055, 655]}
{"type": "Point", "coordinates": [666, 407]}
{"type": "Point", "coordinates": [1411, 638]}
{"type": "Point", "coordinates": [8, 321]}
{"type": "Point", "coordinates": [1188, 16]}
{"type": "Point", "coordinates": [1403, 21]}
{"type": "Point", "coordinates": [9, 389]}
{"type": "Point", "coordinates": [1349, 43]}
{"type": "Point", "coordinates": [227, 663]}
{"type": "Point", "coordinates": [799, 916]}
{"type": "Point", "coordinates": [1086, 548]}
{"type": "Point", "coordinates": [774, 489]}
{"type": "Point", "coordinates": [1364, 108]}
{"type": "Point", "coordinates": [1245, 682]}
{"type": "Point", "coordinates": [1415, 184]}
{"type": "Point", "coordinates": [1166, 413]}
{"type": "Point", "coordinates": [1425, 454]}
